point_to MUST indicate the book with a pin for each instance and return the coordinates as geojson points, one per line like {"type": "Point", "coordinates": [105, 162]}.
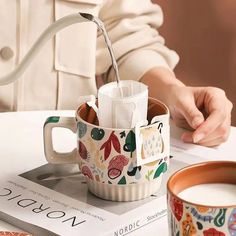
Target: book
{"type": "Point", "coordinates": [54, 200]}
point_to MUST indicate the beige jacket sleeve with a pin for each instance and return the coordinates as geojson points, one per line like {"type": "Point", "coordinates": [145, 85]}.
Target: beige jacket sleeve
{"type": "Point", "coordinates": [132, 27]}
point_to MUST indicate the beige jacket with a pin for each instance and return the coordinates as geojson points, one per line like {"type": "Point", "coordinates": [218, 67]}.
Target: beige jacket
{"type": "Point", "coordinates": [65, 69]}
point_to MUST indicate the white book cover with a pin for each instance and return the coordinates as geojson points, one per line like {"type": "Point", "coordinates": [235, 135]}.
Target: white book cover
{"type": "Point", "coordinates": [54, 200]}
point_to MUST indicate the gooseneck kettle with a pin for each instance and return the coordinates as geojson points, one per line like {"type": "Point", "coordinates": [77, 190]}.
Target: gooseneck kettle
{"type": "Point", "coordinates": [49, 33]}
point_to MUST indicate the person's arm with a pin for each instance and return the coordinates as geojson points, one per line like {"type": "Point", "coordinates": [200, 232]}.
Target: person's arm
{"type": "Point", "coordinates": [142, 55]}
{"type": "Point", "coordinates": [132, 27]}
{"type": "Point", "coordinates": [204, 111]}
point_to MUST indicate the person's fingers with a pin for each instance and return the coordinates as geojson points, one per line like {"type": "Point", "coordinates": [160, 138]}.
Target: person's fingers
{"type": "Point", "coordinates": [217, 137]}
{"type": "Point", "coordinates": [208, 127]}
{"type": "Point", "coordinates": [218, 108]}
{"type": "Point", "coordinates": [220, 135]}
{"type": "Point", "coordinates": [182, 123]}
{"type": "Point", "coordinates": [217, 114]}
{"type": "Point", "coordinates": [190, 112]}
{"type": "Point", "coordinates": [193, 105]}
{"type": "Point", "coordinates": [212, 143]}
{"type": "Point", "coordinates": [209, 142]}
{"type": "Point", "coordinates": [187, 137]}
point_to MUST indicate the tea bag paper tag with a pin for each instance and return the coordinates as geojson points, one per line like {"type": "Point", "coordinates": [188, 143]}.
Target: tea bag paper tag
{"type": "Point", "coordinates": [152, 141]}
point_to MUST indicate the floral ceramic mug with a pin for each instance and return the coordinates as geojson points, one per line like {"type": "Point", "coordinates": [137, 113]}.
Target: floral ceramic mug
{"type": "Point", "coordinates": [110, 158]}
{"type": "Point", "coordinates": [211, 209]}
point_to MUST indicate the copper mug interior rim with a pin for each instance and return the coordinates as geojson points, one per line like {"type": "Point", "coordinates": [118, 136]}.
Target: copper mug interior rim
{"type": "Point", "coordinates": [88, 115]}
{"type": "Point", "coordinates": [202, 173]}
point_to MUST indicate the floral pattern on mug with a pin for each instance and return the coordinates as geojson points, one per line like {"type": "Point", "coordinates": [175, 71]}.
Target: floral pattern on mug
{"type": "Point", "coordinates": [232, 222]}
{"type": "Point", "coordinates": [188, 228]}
{"type": "Point", "coordinates": [112, 141]}
{"type": "Point", "coordinates": [107, 156]}
{"type": "Point", "coordinates": [82, 129]}
{"type": "Point", "coordinates": [116, 166]}
{"type": "Point", "coordinates": [87, 172]}
{"type": "Point", "coordinates": [213, 232]}
{"type": "Point", "coordinates": [153, 143]}
{"type": "Point", "coordinates": [192, 220]}
{"type": "Point", "coordinates": [97, 134]}
{"type": "Point", "coordinates": [176, 207]}
{"type": "Point", "coordinates": [83, 151]}
{"type": "Point", "coordinates": [135, 171]}
{"type": "Point", "coordinates": [130, 142]}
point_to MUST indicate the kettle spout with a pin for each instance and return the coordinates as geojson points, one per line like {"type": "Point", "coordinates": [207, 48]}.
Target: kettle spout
{"type": "Point", "coordinates": [87, 16]}
{"type": "Point", "coordinates": [44, 37]}
{"type": "Point", "coordinates": [49, 33]}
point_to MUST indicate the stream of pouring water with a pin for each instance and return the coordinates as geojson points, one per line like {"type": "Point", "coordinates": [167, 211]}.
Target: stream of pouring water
{"type": "Point", "coordinates": [111, 52]}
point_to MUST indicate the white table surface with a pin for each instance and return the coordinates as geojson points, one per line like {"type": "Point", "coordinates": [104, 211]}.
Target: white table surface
{"type": "Point", "coordinates": [21, 137]}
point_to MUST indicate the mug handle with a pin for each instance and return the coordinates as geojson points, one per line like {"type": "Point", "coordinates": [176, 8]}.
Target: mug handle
{"type": "Point", "coordinates": [51, 155]}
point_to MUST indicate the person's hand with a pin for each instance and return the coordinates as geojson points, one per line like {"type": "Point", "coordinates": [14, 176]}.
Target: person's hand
{"type": "Point", "coordinates": [204, 111]}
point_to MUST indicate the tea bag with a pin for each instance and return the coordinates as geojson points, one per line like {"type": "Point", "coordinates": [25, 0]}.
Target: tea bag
{"type": "Point", "coordinates": [122, 110]}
